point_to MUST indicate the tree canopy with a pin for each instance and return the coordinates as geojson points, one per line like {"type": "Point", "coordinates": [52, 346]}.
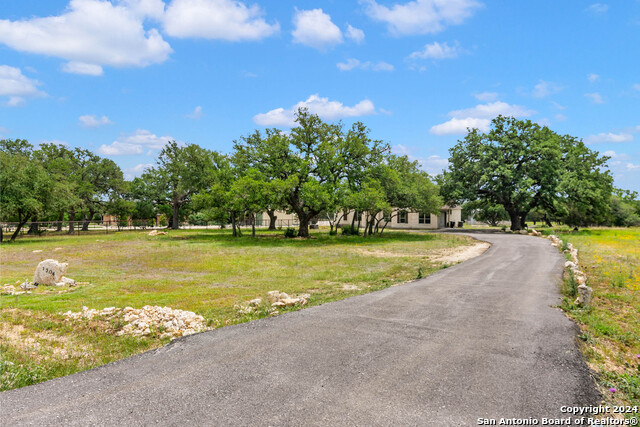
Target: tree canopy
{"type": "Point", "coordinates": [523, 166]}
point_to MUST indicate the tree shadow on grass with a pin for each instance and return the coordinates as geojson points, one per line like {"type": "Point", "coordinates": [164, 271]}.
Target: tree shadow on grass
{"type": "Point", "coordinates": [277, 239]}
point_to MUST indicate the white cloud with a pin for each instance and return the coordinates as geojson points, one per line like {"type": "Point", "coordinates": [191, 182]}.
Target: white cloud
{"type": "Point", "coordinates": [544, 89]}
{"type": "Point", "coordinates": [327, 110]}
{"type": "Point", "coordinates": [352, 63]}
{"type": "Point", "coordinates": [636, 86]}
{"type": "Point", "coordinates": [598, 8]}
{"type": "Point", "coordinates": [560, 117]}
{"type": "Point", "coordinates": [595, 97]}
{"type": "Point", "coordinates": [136, 171]}
{"type": "Point", "coordinates": [136, 143]}
{"type": "Point", "coordinates": [82, 68]}
{"type": "Point", "coordinates": [491, 110]}
{"type": "Point", "coordinates": [196, 114]}
{"type": "Point", "coordinates": [217, 19]}
{"type": "Point", "coordinates": [17, 86]}
{"type": "Point", "coordinates": [421, 16]}
{"type": "Point", "coordinates": [558, 106]}
{"type": "Point", "coordinates": [478, 117]}
{"type": "Point", "coordinates": [436, 50]}
{"type": "Point", "coordinates": [460, 126]}
{"type": "Point", "coordinates": [616, 156]}
{"type": "Point", "coordinates": [355, 34]}
{"type": "Point", "coordinates": [89, 33]}
{"type": "Point", "coordinates": [145, 8]}
{"type": "Point", "coordinates": [592, 77]}
{"type": "Point", "coordinates": [91, 121]}
{"type": "Point", "coordinates": [433, 164]}
{"type": "Point", "coordinates": [314, 28]}
{"type": "Point", "coordinates": [610, 137]}
{"type": "Point", "coordinates": [486, 96]}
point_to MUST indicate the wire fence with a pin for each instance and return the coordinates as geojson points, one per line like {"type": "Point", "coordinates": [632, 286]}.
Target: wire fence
{"type": "Point", "coordinates": [76, 228]}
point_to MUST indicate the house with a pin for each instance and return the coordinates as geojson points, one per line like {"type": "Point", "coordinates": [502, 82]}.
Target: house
{"type": "Point", "coordinates": [449, 217]}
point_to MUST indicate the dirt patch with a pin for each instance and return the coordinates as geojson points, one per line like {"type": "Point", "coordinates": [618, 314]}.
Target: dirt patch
{"type": "Point", "coordinates": [40, 345]}
{"type": "Point", "coordinates": [441, 256]}
{"type": "Point", "coordinates": [460, 254]}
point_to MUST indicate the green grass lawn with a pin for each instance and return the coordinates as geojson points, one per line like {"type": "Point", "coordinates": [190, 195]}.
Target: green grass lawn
{"type": "Point", "coordinates": [611, 327]}
{"type": "Point", "coordinates": [204, 271]}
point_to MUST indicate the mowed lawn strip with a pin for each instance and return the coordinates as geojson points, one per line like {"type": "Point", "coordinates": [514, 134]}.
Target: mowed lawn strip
{"type": "Point", "coordinates": [611, 327]}
{"type": "Point", "coordinates": [205, 271]}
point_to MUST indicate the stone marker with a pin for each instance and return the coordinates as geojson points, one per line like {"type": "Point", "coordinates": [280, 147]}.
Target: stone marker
{"type": "Point", "coordinates": [51, 272]}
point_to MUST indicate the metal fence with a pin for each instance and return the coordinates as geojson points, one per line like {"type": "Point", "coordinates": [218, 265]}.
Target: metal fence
{"type": "Point", "coordinates": [68, 228]}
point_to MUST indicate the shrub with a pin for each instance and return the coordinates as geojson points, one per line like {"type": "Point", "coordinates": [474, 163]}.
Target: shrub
{"type": "Point", "coordinates": [350, 230]}
{"type": "Point", "coordinates": [290, 232]}
{"type": "Point", "coordinates": [333, 232]}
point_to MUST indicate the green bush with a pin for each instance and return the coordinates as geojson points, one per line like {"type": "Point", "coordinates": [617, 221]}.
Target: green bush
{"type": "Point", "coordinates": [290, 232]}
{"type": "Point", "coordinates": [350, 230]}
{"type": "Point", "coordinates": [333, 232]}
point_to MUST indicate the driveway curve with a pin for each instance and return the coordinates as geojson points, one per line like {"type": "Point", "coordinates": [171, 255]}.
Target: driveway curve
{"type": "Point", "coordinates": [481, 339]}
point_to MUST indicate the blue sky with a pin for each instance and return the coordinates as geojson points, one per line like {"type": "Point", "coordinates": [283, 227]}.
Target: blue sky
{"type": "Point", "coordinates": [124, 76]}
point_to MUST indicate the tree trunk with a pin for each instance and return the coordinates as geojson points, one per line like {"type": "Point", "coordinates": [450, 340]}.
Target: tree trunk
{"type": "Point", "coordinates": [303, 229]}
{"type": "Point", "coordinates": [33, 227]}
{"type": "Point", "coordinates": [20, 225]}
{"type": "Point", "coordinates": [523, 220]}
{"type": "Point", "coordinates": [174, 219]}
{"type": "Point", "coordinates": [272, 218]}
{"type": "Point", "coordinates": [72, 217]}
{"type": "Point", "coordinates": [1, 235]}
{"type": "Point", "coordinates": [60, 219]}
{"type": "Point", "coordinates": [515, 221]}
{"type": "Point", "coordinates": [85, 225]}
{"type": "Point", "coordinates": [233, 224]}
{"type": "Point", "coordinates": [253, 225]}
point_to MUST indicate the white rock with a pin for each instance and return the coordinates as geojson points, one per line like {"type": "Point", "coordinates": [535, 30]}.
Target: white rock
{"type": "Point", "coordinates": [37, 251]}
{"type": "Point", "coordinates": [8, 290]}
{"type": "Point", "coordinates": [255, 302]}
{"type": "Point", "coordinates": [584, 296]}
{"type": "Point", "coordinates": [50, 272]}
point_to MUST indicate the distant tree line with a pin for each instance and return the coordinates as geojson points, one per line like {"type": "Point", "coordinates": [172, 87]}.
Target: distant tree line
{"type": "Point", "coordinates": [318, 170]}
{"type": "Point", "coordinates": [517, 171]}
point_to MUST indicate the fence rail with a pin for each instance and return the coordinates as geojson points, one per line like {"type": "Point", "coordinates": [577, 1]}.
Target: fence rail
{"type": "Point", "coordinates": [67, 228]}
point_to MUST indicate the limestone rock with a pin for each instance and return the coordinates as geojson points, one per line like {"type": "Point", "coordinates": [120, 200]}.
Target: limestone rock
{"type": "Point", "coordinates": [8, 290]}
{"type": "Point", "coordinates": [157, 233]}
{"type": "Point", "coordinates": [66, 281]}
{"type": "Point", "coordinates": [255, 302]}
{"type": "Point", "coordinates": [584, 296]}
{"type": "Point", "coordinates": [50, 272]}
{"type": "Point", "coordinates": [141, 322]}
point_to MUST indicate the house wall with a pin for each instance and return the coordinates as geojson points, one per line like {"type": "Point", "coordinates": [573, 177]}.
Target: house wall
{"type": "Point", "coordinates": [413, 220]}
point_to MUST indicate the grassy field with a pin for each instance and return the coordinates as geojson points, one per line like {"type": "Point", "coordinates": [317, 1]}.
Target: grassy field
{"type": "Point", "coordinates": [611, 327]}
{"type": "Point", "coordinates": [204, 271]}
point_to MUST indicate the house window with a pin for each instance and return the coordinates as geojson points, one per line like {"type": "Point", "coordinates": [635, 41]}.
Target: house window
{"type": "Point", "coordinates": [424, 218]}
{"type": "Point", "coordinates": [358, 216]}
{"type": "Point", "coordinates": [402, 218]}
